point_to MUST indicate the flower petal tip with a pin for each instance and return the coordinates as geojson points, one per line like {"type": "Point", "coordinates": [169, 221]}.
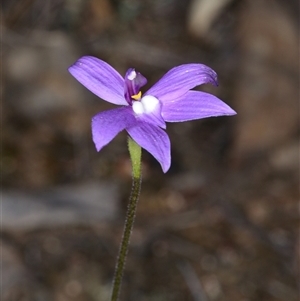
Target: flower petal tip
{"type": "Point", "coordinates": [230, 111]}
{"type": "Point", "coordinates": [166, 163]}
{"type": "Point", "coordinates": [213, 78]}
{"type": "Point", "coordinates": [225, 111]}
{"type": "Point", "coordinates": [165, 169]}
{"type": "Point", "coordinates": [97, 146]}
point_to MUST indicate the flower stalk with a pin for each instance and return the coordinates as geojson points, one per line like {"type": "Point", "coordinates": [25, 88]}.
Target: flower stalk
{"type": "Point", "coordinates": [135, 155]}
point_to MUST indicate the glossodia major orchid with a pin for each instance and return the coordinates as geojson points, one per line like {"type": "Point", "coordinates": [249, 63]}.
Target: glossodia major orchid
{"type": "Point", "coordinates": [144, 116]}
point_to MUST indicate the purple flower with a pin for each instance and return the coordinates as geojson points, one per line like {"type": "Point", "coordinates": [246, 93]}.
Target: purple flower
{"type": "Point", "coordinates": [144, 116]}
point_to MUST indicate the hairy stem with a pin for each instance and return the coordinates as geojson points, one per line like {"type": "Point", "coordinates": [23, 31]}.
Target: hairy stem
{"type": "Point", "coordinates": [135, 155]}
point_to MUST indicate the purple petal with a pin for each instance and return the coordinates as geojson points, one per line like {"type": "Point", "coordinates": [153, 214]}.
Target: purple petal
{"type": "Point", "coordinates": [100, 78]}
{"type": "Point", "coordinates": [155, 119]}
{"type": "Point", "coordinates": [195, 105]}
{"type": "Point", "coordinates": [154, 140]}
{"type": "Point", "coordinates": [179, 80]}
{"type": "Point", "coordinates": [106, 125]}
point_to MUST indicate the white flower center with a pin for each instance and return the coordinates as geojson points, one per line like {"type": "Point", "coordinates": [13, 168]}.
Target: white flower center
{"type": "Point", "coordinates": [147, 105]}
{"type": "Point", "coordinates": [131, 75]}
{"type": "Point", "coordinates": [137, 107]}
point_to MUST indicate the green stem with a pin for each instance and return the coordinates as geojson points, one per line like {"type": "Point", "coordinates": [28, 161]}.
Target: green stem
{"type": "Point", "coordinates": [136, 155]}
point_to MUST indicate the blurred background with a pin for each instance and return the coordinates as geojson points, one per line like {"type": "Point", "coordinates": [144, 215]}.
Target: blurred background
{"type": "Point", "coordinates": [221, 225]}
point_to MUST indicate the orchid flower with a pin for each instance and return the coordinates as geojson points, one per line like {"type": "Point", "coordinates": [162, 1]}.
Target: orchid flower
{"type": "Point", "coordinates": [144, 116]}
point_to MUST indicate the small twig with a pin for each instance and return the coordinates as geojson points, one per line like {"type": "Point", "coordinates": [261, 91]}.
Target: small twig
{"type": "Point", "coordinates": [192, 281]}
